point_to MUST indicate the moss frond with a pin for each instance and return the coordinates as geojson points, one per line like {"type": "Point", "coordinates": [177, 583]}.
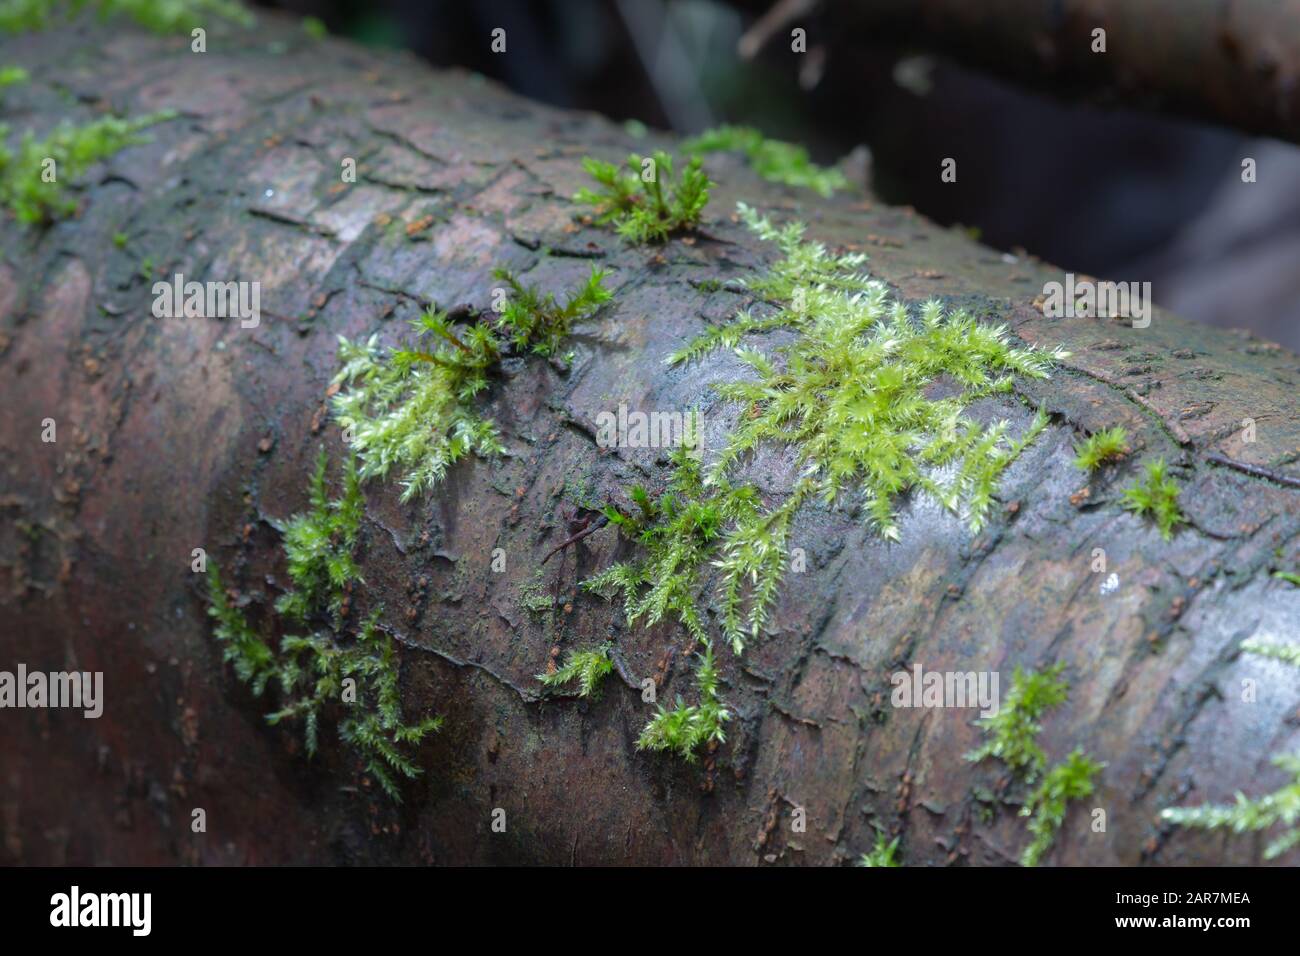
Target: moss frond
{"type": "Point", "coordinates": [772, 159]}
{"type": "Point", "coordinates": [1072, 779]}
{"type": "Point", "coordinates": [535, 322]}
{"type": "Point", "coordinates": [1247, 815]}
{"type": "Point", "coordinates": [1110, 444]}
{"type": "Point", "coordinates": [410, 407]}
{"type": "Point", "coordinates": [884, 853]}
{"type": "Point", "coordinates": [1012, 732]}
{"type": "Point", "coordinates": [74, 149]}
{"type": "Point", "coordinates": [1011, 737]}
{"type": "Point", "coordinates": [678, 532]}
{"type": "Point", "coordinates": [1287, 653]}
{"type": "Point", "coordinates": [1156, 497]}
{"type": "Point", "coordinates": [323, 651]}
{"type": "Point", "coordinates": [587, 667]}
{"type": "Point", "coordinates": [253, 660]}
{"type": "Point", "coordinates": [685, 727]}
{"type": "Point", "coordinates": [850, 396]}
{"type": "Point", "coordinates": [644, 200]}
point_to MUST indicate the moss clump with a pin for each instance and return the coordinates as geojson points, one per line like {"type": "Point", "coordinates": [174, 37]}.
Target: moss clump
{"type": "Point", "coordinates": [12, 76]}
{"type": "Point", "coordinates": [884, 853]}
{"type": "Point", "coordinates": [1157, 497]}
{"type": "Point", "coordinates": [1012, 738]}
{"type": "Point", "coordinates": [774, 160]}
{"type": "Point", "coordinates": [74, 149]}
{"type": "Point", "coordinates": [645, 202]}
{"type": "Point", "coordinates": [411, 407]}
{"type": "Point", "coordinates": [326, 666]}
{"type": "Point", "coordinates": [536, 322]}
{"type": "Point", "coordinates": [160, 16]}
{"type": "Point", "coordinates": [1252, 815]}
{"type": "Point", "coordinates": [678, 532]}
{"type": "Point", "coordinates": [684, 728]}
{"type": "Point", "coordinates": [849, 396]}
{"type": "Point", "coordinates": [1012, 733]}
{"type": "Point", "coordinates": [1072, 779]}
{"type": "Point", "coordinates": [1109, 444]}
{"type": "Point", "coordinates": [588, 667]}
{"type": "Point", "coordinates": [1247, 815]}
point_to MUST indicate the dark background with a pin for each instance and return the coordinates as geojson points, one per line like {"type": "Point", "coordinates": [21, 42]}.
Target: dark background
{"type": "Point", "coordinates": [1125, 195]}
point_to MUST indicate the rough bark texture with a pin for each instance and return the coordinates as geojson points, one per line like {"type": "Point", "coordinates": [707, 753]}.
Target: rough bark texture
{"type": "Point", "coordinates": [1236, 62]}
{"type": "Point", "coordinates": [175, 434]}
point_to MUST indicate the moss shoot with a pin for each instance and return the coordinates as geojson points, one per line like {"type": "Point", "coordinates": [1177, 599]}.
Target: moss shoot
{"type": "Point", "coordinates": [412, 407]}
{"type": "Point", "coordinates": [644, 201]}
{"type": "Point", "coordinates": [34, 177]}
{"type": "Point", "coordinates": [327, 666]}
{"type": "Point", "coordinates": [774, 160]}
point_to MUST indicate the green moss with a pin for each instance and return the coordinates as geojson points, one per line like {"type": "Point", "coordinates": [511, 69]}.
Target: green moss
{"type": "Point", "coordinates": [1287, 653]}
{"type": "Point", "coordinates": [12, 76]}
{"type": "Point", "coordinates": [74, 150]}
{"type": "Point", "coordinates": [535, 322]}
{"type": "Point", "coordinates": [160, 16]}
{"type": "Point", "coordinates": [120, 240]}
{"type": "Point", "coordinates": [1110, 444]}
{"type": "Point", "coordinates": [326, 666]}
{"type": "Point", "coordinates": [884, 853]}
{"type": "Point", "coordinates": [646, 202]}
{"type": "Point", "coordinates": [252, 658]}
{"type": "Point", "coordinates": [1247, 815]}
{"type": "Point", "coordinates": [587, 667]}
{"type": "Point", "coordinates": [1011, 737]}
{"type": "Point", "coordinates": [412, 407]}
{"type": "Point", "coordinates": [678, 533]}
{"type": "Point", "coordinates": [315, 28]}
{"type": "Point", "coordinates": [686, 727]}
{"type": "Point", "coordinates": [1013, 731]}
{"type": "Point", "coordinates": [774, 160]}
{"type": "Point", "coordinates": [1289, 576]}
{"type": "Point", "coordinates": [1156, 497]}
{"type": "Point", "coordinates": [1072, 779]}
{"type": "Point", "coordinates": [849, 396]}
{"type": "Point", "coordinates": [318, 545]}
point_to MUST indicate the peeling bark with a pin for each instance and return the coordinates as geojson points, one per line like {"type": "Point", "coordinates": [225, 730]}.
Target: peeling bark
{"type": "Point", "coordinates": [176, 434]}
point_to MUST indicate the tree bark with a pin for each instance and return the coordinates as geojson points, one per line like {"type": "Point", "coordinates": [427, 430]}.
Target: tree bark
{"type": "Point", "coordinates": [175, 434]}
{"type": "Point", "coordinates": [1235, 63]}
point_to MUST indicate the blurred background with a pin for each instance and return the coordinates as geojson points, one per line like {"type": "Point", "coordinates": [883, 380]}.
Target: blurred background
{"type": "Point", "coordinates": [1111, 192]}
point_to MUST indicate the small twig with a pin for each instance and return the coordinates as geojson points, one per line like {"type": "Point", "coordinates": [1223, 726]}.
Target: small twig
{"type": "Point", "coordinates": [1259, 471]}
{"type": "Point", "coordinates": [591, 528]}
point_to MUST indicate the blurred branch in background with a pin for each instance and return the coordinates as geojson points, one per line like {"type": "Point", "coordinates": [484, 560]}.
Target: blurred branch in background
{"type": "Point", "coordinates": [1091, 177]}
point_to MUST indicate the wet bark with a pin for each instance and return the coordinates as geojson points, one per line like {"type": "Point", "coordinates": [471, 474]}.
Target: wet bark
{"type": "Point", "coordinates": [177, 434]}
